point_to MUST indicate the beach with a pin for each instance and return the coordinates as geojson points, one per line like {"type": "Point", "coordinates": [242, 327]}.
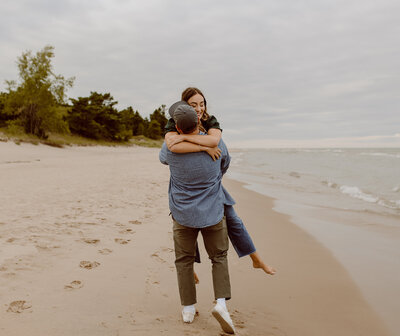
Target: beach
{"type": "Point", "coordinates": [86, 249]}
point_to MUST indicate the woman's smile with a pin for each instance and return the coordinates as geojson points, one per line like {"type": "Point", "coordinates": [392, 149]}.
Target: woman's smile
{"type": "Point", "coordinates": [197, 102]}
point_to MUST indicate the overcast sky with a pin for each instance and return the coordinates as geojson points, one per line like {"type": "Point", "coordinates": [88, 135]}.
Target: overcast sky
{"type": "Point", "coordinates": [275, 73]}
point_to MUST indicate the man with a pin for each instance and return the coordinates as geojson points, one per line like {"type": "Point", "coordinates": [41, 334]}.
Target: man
{"type": "Point", "coordinates": [196, 201]}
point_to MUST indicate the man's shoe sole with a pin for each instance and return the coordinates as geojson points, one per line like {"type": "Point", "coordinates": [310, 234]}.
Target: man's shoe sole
{"type": "Point", "coordinates": [225, 325]}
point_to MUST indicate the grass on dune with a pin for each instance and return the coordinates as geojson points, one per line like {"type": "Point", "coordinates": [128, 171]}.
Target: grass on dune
{"type": "Point", "coordinates": [62, 140]}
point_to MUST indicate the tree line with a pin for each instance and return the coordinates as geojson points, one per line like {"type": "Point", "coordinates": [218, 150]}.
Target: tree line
{"type": "Point", "coordinates": [38, 105]}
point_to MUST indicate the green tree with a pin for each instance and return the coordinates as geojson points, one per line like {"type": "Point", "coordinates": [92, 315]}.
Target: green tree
{"type": "Point", "coordinates": [127, 117]}
{"type": "Point", "coordinates": [154, 130]}
{"type": "Point", "coordinates": [133, 121]}
{"type": "Point", "coordinates": [96, 117]}
{"type": "Point", "coordinates": [139, 125]}
{"type": "Point", "coordinates": [34, 100]}
{"type": "Point", "coordinates": [141, 130]}
{"type": "Point", "coordinates": [3, 116]}
{"type": "Point", "coordinates": [159, 116]}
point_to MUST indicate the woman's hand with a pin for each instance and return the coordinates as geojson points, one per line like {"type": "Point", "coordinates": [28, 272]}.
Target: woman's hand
{"type": "Point", "coordinates": [214, 152]}
{"type": "Point", "coordinates": [172, 140]}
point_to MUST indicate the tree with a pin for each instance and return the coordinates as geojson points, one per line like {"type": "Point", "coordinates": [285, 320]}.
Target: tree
{"type": "Point", "coordinates": [127, 117]}
{"type": "Point", "coordinates": [155, 129]}
{"type": "Point", "coordinates": [139, 125]}
{"type": "Point", "coordinates": [35, 99]}
{"type": "Point", "coordinates": [3, 116]}
{"type": "Point", "coordinates": [133, 121]}
{"type": "Point", "coordinates": [159, 116]}
{"type": "Point", "coordinates": [95, 117]}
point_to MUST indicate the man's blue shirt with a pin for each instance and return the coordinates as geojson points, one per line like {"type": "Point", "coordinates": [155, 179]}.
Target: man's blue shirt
{"type": "Point", "coordinates": [196, 194]}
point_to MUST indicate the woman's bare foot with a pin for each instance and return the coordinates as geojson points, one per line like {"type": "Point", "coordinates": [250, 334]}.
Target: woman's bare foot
{"type": "Point", "coordinates": [258, 263]}
{"type": "Point", "coordinates": [196, 278]}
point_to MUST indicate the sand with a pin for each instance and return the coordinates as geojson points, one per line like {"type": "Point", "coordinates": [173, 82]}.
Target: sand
{"type": "Point", "coordinates": [86, 249]}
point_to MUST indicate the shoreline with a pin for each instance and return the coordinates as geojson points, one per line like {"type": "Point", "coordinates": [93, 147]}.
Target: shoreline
{"type": "Point", "coordinates": [89, 251]}
{"type": "Point", "coordinates": [311, 288]}
{"type": "Point", "coordinates": [366, 248]}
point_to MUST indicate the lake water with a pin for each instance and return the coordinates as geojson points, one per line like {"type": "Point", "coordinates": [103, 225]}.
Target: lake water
{"type": "Point", "coordinates": [348, 199]}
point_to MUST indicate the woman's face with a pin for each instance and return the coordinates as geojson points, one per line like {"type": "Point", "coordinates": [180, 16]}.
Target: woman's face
{"type": "Point", "coordinates": [197, 102]}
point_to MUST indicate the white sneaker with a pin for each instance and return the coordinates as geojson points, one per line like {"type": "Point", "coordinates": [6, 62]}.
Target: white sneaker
{"type": "Point", "coordinates": [224, 319]}
{"type": "Point", "coordinates": [188, 316]}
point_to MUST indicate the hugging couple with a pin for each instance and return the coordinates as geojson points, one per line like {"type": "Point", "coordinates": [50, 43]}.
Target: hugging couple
{"type": "Point", "coordinates": [198, 158]}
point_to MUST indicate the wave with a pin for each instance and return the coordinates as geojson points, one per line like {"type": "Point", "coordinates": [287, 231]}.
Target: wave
{"type": "Point", "coordinates": [318, 150]}
{"type": "Point", "coordinates": [396, 156]}
{"type": "Point", "coordinates": [236, 159]}
{"type": "Point", "coordinates": [355, 192]}
{"type": "Point", "coordinates": [392, 204]}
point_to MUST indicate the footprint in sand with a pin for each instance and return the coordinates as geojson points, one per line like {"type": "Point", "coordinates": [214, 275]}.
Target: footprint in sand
{"type": "Point", "coordinates": [10, 275]}
{"type": "Point", "coordinates": [90, 241]}
{"type": "Point", "coordinates": [156, 255]}
{"type": "Point", "coordinates": [122, 241]}
{"type": "Point", "coordinates": [18, 306]}
{"type": "Point", "coordinates": [44, 247]}
{"type": "Point", "coordinates": [105, 251]}
{"type": "Point", "coordinates": [88, 264]}
{"type": "Point", "coordinates": [237, 318]}
{"type": "Point", "coordinates": [239, 324]}
{"type": "Point", "coordinates": [76, 284]}
{"type": "Point", "coordinates": [136, 222]}
{"type": "Point", "coordinates": [127, 231]}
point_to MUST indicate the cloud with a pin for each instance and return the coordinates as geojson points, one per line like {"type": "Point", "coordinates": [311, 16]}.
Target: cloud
{"type": "Point", "coordinates": [269, 70]}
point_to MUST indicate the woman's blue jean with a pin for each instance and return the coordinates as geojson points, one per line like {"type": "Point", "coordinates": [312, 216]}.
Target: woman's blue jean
{"type": "Point", "coordinates": [238, 235]}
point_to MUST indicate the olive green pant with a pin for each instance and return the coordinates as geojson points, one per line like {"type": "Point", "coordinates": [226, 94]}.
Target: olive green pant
{"type": "Point", "coordinates": [216, 243]}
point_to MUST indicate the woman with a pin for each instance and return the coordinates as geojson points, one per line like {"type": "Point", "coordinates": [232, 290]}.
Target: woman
{"type": "Point", "coordinates": [182, 143]}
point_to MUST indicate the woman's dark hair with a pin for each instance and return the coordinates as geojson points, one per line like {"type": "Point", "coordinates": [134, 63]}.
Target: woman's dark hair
{"type": "Point", "coordinates": [189, 93]}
